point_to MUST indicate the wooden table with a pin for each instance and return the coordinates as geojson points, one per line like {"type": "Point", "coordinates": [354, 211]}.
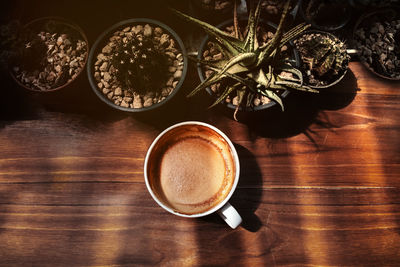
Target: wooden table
{"type": "Point", "coordinates": [320, 183]}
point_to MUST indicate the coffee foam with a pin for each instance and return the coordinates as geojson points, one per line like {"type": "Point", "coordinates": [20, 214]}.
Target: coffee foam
{"type": "Point", "coordinates": [191, 169]}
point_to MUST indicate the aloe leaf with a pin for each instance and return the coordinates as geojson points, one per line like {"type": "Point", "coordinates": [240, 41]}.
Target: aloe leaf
{"type": "Point", "coordinates": [227, 91]}
{"type": "Point", "coordinates": [290, 79]}
{"type": "Point", "coordinates": [234, 77]}
{"type": "Point", "coordinates": [297, 86]}
{"type": "Point", "coordinates": [218, 65]}
{"type": "Point", "coordinates": [234, 45]}
{"type": "Point", "coordinates": [250, 98]}
{"type": "Point", "coordinates": [261, 78]}
{"type": "Point", "coordinates": [291, 69]}
{"type": "Point", "coordinates": [240, 95]}
{"type": "Point", "coordinates": [238, 33]}
{"type": "Point", "coordinates": [275, 41]}
{"type": "Point", "coordinates": [236, 60]}
{"type": "Point", "coordinates": [273, 96]}
{"type": "Point", "coordinates": [213, 78]}
{"type": "Point", "coordinates": [293, 33]}
{"type": "Point", "coordinates": [251, 43]}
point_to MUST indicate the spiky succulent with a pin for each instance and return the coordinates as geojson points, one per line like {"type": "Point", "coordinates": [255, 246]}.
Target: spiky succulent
{"type": "Point", "coordinates": [253, 68]}
{"type": "Point", "coordinates": [324, 54]}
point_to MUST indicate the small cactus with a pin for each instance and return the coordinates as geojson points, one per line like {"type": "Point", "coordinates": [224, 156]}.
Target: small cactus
{"type": "Point", "coordinates": [137, 62]}
{"type": "Point", "coordinates": [324, 55]}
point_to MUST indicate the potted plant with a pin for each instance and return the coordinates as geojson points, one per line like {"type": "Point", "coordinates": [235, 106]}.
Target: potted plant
{"type": "Point", "coordinates": [324, 58]}
{"type": "Point", "coordinates": [377, 39]}
{"type": "Point", "coordinates": [247, 68]}
{"type": "Point", "coordinates": [325, 15]}
{"type": "Point", "coordinates": [137, 65]}
{"type": "Point", "coordinates": [272, 9]}
{"type": "Point", "coordinates": [49, 54]}
{"type": "Point", "coordinates": [372, 3]}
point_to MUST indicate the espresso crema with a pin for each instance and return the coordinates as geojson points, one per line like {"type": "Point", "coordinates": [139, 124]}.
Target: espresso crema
{"type": "Point", "coordinates": [191, 169]}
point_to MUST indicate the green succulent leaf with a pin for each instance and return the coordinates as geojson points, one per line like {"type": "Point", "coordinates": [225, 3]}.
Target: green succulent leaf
{"type": "Point", "coordinates": [296, 86]}
{"type": "Point", "coordinates": [251, 43]}
{"type": "Point", "coordinates": [273, 44]}
{"type": "Point", "coordinates": [293, 33]}
{"type": "Point", "coordinates": [273, 96]}
{"type": "Point", "coordinates": [240, 94]}
{"type": "Point", "coordinates": [291, 69]}
{"type": "Point", "coordinates": [233, 45]}
{"type": "Point", "coordinates": [227, 91]}
{"type": "Point", "coordinates": [244, 58]}
{"type": "Point", "coordinates": [213, 78]}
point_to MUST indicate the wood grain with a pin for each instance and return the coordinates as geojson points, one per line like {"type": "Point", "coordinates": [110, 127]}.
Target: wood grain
{"type": "Point", "coordinates": [319, 184]}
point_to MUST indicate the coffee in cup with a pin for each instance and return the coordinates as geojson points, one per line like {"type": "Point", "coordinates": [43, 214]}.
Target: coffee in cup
{"type": "Point", "coordinates": [191, 169]}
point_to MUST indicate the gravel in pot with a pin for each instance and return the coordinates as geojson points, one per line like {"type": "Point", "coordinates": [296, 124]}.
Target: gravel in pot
{"type": "Point", "coordinates": [377, 39]}
{"type": "Point", "coordinates": [208, 50]}
{"type": "Point", "coordinates": [137, 65]}
{"type": "Point", "coordinates": [51, 53]}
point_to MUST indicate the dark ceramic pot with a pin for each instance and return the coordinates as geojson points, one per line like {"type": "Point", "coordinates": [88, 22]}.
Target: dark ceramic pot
{"type": "Point", "coordinates": [101, 41]}
{"type": "Point", "coordinates": [57, 24]}
{"type": "Point", "coordinates": [339, 77]}
{"type": "Point", "coordinates": [366, 20]}
{"type": "Point", "coordinates": [231, 108]}
{"type": "Point", "coordinates": [345, 17]}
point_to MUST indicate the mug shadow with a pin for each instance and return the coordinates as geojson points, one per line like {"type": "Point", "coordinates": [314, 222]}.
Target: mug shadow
{"type": "Point", "coordinates": [248, 194]}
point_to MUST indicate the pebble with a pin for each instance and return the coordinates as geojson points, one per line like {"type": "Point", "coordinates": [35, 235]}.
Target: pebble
{"type": "Point", "coordinates": [164, 40]}
{"type": "Point", "coordinates": [137, 29]}
{"type": "Point", "coordinates": [107, 49]}
{"type": "Point", "coordinates": [128, 99]}
{"type": "Point", "coordinates": [178, 74]}
{"type": "Point", "coordinates": [104, 66]}
{"type": "Point", "coordinates": [118, 91]}
{"type": "Point", "coordinates": [158, 31]}
{"type": "Point", "coordinates": [107, 76]}
{"type": "Point", "coordinates": [148, 102]}
{"type": "Point", "coordinates": [124, 104]}
{"type": "Point", "coordinates": [137, 102]}
{"type": "Point", "coordinates": [97, 76]}
{"type": "Point", "coordinates": [166, 91]}
{"type": "Point", "coordinates": [148, 30]}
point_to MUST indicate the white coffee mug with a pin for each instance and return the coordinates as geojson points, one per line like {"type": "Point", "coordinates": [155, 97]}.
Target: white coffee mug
{"type": "Point", "coordinates": [224, 209]}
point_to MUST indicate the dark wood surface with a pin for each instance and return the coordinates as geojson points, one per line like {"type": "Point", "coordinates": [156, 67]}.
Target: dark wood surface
{"type": "Point", "coordinates": [320, 183]}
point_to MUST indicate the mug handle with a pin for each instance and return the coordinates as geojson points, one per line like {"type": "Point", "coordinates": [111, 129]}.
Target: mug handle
{"type": "Point", "coordinates": [230, 215]}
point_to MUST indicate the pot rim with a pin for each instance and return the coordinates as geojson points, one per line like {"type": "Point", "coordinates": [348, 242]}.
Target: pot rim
{"type": "Point", "coordinates": [230, 105]}
{"type": "Point", "coordinates": [331, 35]}
{"type": "Point", "coordinates": [99, 41]}
{"type": "Point", "coordinates": [68, 23]}
{"type": "Point", "coordinates": [323, 28]}
{"type": "Point", "coordinates": [359, 21]}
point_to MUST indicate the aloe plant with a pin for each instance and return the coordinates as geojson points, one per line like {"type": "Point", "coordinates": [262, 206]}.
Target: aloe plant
{"type": "Point", "coordinates": [254, 68]}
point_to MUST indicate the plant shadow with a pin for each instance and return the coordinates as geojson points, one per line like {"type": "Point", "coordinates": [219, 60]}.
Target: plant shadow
{"type": "Point", "coordinates": [15, 104]}
{"type": "Point", "coordinates": [301, 111]}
